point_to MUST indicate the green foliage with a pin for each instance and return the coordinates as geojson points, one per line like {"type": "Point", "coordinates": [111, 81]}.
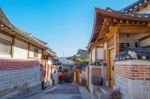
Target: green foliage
{"type": "Point", "coordinates": [82, 60]}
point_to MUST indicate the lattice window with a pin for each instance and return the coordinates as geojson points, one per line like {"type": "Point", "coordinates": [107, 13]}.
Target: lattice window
{"type": "Point", "coordinates": [5, 46]}
{"type": "Point", "coordinates": [36, 51]}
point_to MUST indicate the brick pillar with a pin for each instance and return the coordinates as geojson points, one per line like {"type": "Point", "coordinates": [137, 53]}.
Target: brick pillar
{"type": "Point", "coordinates": [93, 71]}
{"type": "Point", "coordinates": [133, 79]}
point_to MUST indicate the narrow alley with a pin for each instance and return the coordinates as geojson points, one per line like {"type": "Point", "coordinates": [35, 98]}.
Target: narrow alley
{"type": "Point", "coordinates": [63, 91]}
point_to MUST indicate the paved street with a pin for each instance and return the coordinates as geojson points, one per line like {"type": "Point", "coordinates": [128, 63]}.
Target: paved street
{"type": "Point", "coordinates": [63, 91]}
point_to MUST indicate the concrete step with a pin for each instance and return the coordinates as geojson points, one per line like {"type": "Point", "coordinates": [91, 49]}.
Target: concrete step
{"type": "Point", "coordinates": [101, 92]}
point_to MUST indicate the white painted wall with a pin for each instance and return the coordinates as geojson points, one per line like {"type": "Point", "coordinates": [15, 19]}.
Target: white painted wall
{"type": "Point", "coordinates": [134, 38]}
{"type": "Point", "coordinates": [50, 61]}
{"type": "Point", "coordinates": [145, 42]}
{"type": "Point", "coordinates": [20, 49]}
{"type": "Point", "coordinates": [31, 52]}
{"type": "Point", "coordinates": [90, 57]}
{"type": "Point", "coordinates": [93, 55]}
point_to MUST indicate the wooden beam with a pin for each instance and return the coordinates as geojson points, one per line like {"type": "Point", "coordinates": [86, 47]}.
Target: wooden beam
{"type": "Point", "coordinates": [145, 37]}
{"type": "Point", "coordinates": [114, 31]}
{"type": "Point", "coordinates": [116, 42]}
{"type": "Point", "coordinates": [104, 30]}
{"type": "Point", "coordinates": [134, 29]}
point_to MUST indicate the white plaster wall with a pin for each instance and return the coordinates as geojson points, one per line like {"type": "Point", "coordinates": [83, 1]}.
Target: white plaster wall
{"type": "Point", "coordinates": [93, 55]}
{"type": "Point", "coordinates": [20, 49]}
{"type": "Point", "coordinates": [50, 61]}
{"type": "Point", "coordinates": [134, 38]}
{"type": "Point", "coordinates": [145, 42]}
{"type": "Point", "coordinates": [100, 53]}
{"type": "Point", "coordinates": [131, 39]}
{"type": "Point", "coordinates": [90, 57]}
{"type": "Point", "coordinates": [40, 54]}
{"type": "Point", "coordinates": [31, 52]}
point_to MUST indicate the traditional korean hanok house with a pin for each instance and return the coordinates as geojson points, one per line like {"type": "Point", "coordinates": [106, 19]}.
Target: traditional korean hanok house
{"type": "Point", "coordinates": [49, 58]}
{"type": "Point", "coordinates": [21, 56]}
{"type": "Point", "coordinates": [125, 34]}
{"type": "Point", "coordinates": [80, 66]}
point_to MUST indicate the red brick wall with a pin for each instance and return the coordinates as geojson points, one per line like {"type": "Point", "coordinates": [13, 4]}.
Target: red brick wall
{"type": "Point", "coordinates": [133, 71]}
{"type": "Point", "coordinates": [96, 72]}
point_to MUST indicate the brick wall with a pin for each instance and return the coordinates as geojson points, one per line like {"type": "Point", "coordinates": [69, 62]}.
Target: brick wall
{"type": "Point", "coordinates": [134, 70]}
{"type": "Point", "coordinates": [96, 72]}
{"type": "Point", "coordinates": [18, 74]}
{"type": "Point", "coordinates": [133, 79]}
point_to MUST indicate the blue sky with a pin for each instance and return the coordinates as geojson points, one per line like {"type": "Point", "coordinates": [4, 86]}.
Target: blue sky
{"type": "Point", "coordinates": [65, 24]}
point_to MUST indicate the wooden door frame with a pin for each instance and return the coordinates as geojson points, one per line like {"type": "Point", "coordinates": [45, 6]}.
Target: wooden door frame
{"type": "Point", "coordinates": [109, 64]}
{"type": "Point", "coordinates": [77, 74]}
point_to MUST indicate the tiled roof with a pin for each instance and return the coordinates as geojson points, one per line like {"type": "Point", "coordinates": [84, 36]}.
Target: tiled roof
{"type": "Point", "coordinates": [134, 53]}
{"type": "Point", "coordinates": [100, 14]}
{"type": "Point", "coordinates": [129, 14]}
{"type": "Point", "coordinates": [82, 53]}
{"type": "Point", "coordinates": [133, 6]}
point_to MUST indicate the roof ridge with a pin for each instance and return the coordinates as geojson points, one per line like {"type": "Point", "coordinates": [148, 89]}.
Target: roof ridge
{"type": "Point", "coordinates": [134, 5]}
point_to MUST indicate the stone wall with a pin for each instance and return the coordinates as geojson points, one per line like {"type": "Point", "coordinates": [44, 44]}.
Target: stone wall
{"type": "Point", "coordinates": [133, 79]}
{"type": "Point", "coordinates": [19, 78]}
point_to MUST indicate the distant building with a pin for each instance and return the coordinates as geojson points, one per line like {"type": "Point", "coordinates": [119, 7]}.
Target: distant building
{"type": "Point", "coordinates": [80, 65]}
{"type": "Point", "coordinates": [25, 61]}
{"type": "Point", "coordinates": [119, 49]}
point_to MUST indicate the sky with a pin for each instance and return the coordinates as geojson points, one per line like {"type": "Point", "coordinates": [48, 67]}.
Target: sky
{"type": "Point", "coordinates": [66, 25]}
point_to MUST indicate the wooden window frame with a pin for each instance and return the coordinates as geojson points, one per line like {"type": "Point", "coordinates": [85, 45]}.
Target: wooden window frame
{"type": "Point", "coordinates": [36, 51]}
{"type": "Point", "coordinates": [6, 43]}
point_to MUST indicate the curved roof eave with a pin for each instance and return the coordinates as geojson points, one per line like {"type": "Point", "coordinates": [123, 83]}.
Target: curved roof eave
{"type": "Point", "coordinates": [24, 34]}
{"type": "Point", "coordinates": [100, 14]}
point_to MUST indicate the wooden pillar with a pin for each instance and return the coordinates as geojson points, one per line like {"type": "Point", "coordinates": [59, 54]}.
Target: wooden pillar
{"type": "Point", "coordinates": [107, 60]}
{"type": "Point", "coordinates": [12, 46]}
{"type": "Point", "coordinates": [116, 40]}
{"type": "Point", "coordinates": [28, 50]}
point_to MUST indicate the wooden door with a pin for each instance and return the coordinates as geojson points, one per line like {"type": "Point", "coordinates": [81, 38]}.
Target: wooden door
{"type": "Point", "coordinates": [111, 64]}
{"type": "Point", "coordinates": [77, 75]}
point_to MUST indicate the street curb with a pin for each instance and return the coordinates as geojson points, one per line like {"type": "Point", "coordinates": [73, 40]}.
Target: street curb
{"type": "Point", "coordinates": [52, 88]}
{"type": "Point", "coordinates": [85, 93]}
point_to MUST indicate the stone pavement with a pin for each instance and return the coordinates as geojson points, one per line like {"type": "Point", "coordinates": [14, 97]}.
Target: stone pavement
{"type": "Point", "coordinates": [63, 91]}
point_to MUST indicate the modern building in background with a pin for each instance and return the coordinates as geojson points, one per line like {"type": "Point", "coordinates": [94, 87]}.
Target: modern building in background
{"type": "Point", "coordinates": [25, 61]}
{"type": "Point", "coordinates": [119, 49]}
